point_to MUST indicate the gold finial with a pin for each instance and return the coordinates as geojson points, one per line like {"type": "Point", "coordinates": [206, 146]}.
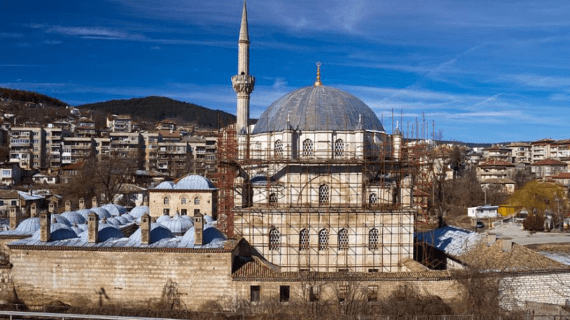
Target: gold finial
{"type": "Point", "coordinates": [318, 83]}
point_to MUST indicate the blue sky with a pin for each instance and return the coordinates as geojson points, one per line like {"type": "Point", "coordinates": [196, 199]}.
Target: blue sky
{"type": "Point", "coordinates": [484, 71]}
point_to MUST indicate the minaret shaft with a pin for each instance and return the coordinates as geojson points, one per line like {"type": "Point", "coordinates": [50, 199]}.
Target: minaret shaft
{"type": "Point", "coordinates": [243, 83]}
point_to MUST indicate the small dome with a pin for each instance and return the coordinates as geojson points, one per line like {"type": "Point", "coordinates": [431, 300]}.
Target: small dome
{"type": "Point", "coordinates": [114, 221]}
{"type": "Point", "coordinates": [194, 182]}
{"type": "Point", "coordinates": [29, 226]}
{"type": "Point", "coordinates": [74, 217]}
{"type": "Point", "coordinates": [105, 234]}
{"type": "Point", "coordinates": [317, 108]}
{"type": "Point", "coordinates": [165, 185]}
{"type": "Point", "coordinates": [114, 209]}
{"type": "Point", "coordinates": [84, 213]}
{"type": "Point", "coordinates": [123, 219]}
{"type": "Point", "coordinates": [157, 233]}
{"type": "Point", "coordinates": [178, 225]}
{"type": "Point", "coordinates": [210, 237]}
{"type": "Point", "coordinates": [101, 212]}
{"type": "Point", "coordinates": [58, 231]}
{"type": "Point", "coordinates": [138, 212]}
{"type": "Point", "coordinates": [208, 219]}
{"type": "Point", "coordinates": [162, 219]}
{"type": "Point", "coordinates": [76, 229]}
{"type": "Point", "coordinates": [60, 219]}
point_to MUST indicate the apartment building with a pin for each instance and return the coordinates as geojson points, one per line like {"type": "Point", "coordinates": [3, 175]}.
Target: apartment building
{"type": "Point", "coordinates": [540, 149]}
{"type": "Point", "coordinates": [497, 153]}
{"type": "Point", "coordinates": [127, 144]}
{"type": "Point", "coordinates": [54, 140]}
{"type": "Point", "coordinates": [520, 152]}
{"type": "Point", "coordinates": [174, 158]}
{"type": "Point", "coordinates": [204, 152]}
{"type": "Point", "coordinates": [120, 123]}
{"type": "Point", "coordinates": [27, 147]}
{"type": "Point", "coordinates": [150, 140]}
{"type": "Point", "coordinates": [76, 149]}
{"type": "Point", "coordinates": [102, 147]}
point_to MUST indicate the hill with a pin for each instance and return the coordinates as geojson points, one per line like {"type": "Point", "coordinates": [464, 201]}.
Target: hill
{"type": "Point", "coordinates": [160, 108]}
{"type": "Point", "coordinates": [29, 96]}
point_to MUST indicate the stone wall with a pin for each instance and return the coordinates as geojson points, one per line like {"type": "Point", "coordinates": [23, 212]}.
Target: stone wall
{"type": "Point", "coordinates": [547, 287]}
{"type": "Point", "coordinates": [128, 277]}
{"type": "Point", "coordinates": [179, 200]}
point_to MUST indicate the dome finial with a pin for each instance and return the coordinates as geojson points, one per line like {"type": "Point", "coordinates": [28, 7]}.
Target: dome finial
{"type": "Point", "coordinates": [318, 83]}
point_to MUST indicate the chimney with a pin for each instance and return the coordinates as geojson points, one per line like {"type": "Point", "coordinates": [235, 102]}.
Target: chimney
{"type": "Point", "coordinates": [81, 203]}
{"type": "Point", "coordinates": [94, 203]}
{"type": "Point", "coordinates": [33, 210]}
{"type": "Point", "coordinates": [14, 218]}
{"type": "Point", "coordinates": [67, 205]}
{"type": "Point", "coordinates": [507, 245]}
{"type": "Point", "coordinates": [145, 201]}
{"type": "Point", "coordinates": [93, 228]}
{"type": "Point", "coordinates": [145, 229]}
{"type": "Point", "coordinates": [198, 227]}
{"type": "Point", "coordinates": [491, 239]}
{"type": "Point", "coordinates": [45, 226]}
{"type": "Point", "coordinates": [51, 207]}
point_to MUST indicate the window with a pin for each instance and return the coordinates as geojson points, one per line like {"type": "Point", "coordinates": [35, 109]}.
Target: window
{"type": "Point", "coordinates": [324, 194]}
{"type": "Point", "coordinates": [323, 239]}
{"type": "Point", "coordinates": [308, 148]}
{"type": "Point", "coordinates": [7, 172]}
{"type": "Point", "coordinates": [273, 199]}
{"type": "Point", "coordinates": [373, 239]}
{"type": "Point", "coordinates": [304, 239]}
{"type": "Point", "coordinates": [165, 211]}
{"type": "Point", "coordinates": [339, 148]}
{"type": "Point", "coordinates": [372, 293]}
{"type": "Point", "coordinates": [255, 293]}
{"type": "Point", "coordinates": [314, 293]}
{"type": "Point", "coordinates": [184, 212]}
{"type": "Point", "coordinates": [278, 148]}
{"type": "Point", "coordinates": [183, 201]}
{"type": "Point", "coordinates": [343, 239]}
{"type": "Point", "coordinates": [1, 202]}
{"type": "Point", "coordinates": [165, 200]}
{"type": "Point", "coordinates": [274, 240]}
{"type": "Point", "coordinates": [373, 198]}
{"type": "Point", "coordinates": [342, 292]}
{"type": "Point", "coordinates": [196, 201]}
{"type": "Point", "coordinates": [284, 293]}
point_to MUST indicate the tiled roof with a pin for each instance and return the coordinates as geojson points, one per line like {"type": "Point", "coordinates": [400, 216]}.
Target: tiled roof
{"type": "Point", "coordinates": [9, 194]}
{"type": "Point", "coordinates": [495, 162]}
{"type": "Point", "coordinates": [499, 181]}
{"type": "Point", "coordinates": [75, 166]}
{"type": "Point", "coordinates": [549, 162]}
{"type": "Point", "coordinates": [561, 175]}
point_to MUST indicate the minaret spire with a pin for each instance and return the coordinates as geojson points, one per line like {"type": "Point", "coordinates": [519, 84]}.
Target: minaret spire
{"type": "Point", "coordinates": [243, 82]}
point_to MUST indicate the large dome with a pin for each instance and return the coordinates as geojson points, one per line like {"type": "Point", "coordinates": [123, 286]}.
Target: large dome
{"type": "Point", "coordinates": [317, 108]}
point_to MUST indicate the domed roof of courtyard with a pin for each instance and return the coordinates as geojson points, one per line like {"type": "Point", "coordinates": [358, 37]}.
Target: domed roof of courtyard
{"type": "Point", "coordinates": [194, 182]}
{"type": "Point", "coordinates": [58, 231]}
{"type": "Point", "coordinates": [177, 225]}
{"type": "Point", "coordinates": [29, 226]}
{"type": "Point", "coordinates": [114, 209]}
{"type": "Point", "coordinates": [157, 233]}
{"type": "Point", "coordinates": [105, 233]}
{"type": "Point", "coordinates": [74, 217]}
{"type": "Point", "coordinates": [138, 212]}
{"type": "Point", "coordinates": [318, 108]}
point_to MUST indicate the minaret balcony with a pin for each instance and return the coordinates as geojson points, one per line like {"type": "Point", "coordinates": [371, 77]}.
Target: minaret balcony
{"type": "Point", "coordinates": [243, 83]}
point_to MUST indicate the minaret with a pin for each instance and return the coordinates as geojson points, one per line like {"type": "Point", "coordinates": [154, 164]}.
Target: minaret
{"type": "Point", "coordinates": [243, 83]}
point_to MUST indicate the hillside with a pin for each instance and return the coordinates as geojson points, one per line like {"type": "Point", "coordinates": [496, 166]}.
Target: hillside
{"type": "Point", "coordinates": [29, 96]}
{"type": "Point", "coordinates": [160, 108]}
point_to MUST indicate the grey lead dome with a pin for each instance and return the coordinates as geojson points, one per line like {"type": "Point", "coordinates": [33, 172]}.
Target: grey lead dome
{"type": "Point", "coordinates": [317, 108]}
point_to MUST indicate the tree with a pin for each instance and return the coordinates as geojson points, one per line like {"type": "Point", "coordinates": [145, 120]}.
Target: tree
{"type": "Point", "coordinates": [537, 197]}
{"type": "Point", "coordinates": [112, 173]}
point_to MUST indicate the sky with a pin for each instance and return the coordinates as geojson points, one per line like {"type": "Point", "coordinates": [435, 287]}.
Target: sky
{"type": "Point", "coordinates": [478, 71]}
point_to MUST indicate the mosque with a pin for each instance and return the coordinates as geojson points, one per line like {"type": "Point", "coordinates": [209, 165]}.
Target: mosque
{"type": "Point", "coordinates": [320, 185]}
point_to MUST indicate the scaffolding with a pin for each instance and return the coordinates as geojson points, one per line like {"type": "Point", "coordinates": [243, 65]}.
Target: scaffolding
{"type": "Point", "coordinates": [317, 201]}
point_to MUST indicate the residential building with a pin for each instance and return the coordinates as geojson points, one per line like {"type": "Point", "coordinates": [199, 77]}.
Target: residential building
{"type": "Point", "coordinates": [548, 167]}
{"type": "Point", "coordinates": [495, 169]}
{"type": "Point", "coordinates": [10, 174]}
{"type": "Point", "coordinates": [120, 123]}
{"type": "Point", "coordinates": [520, 152]}
{"type": "Point", "coordinates": [540, 149]}
{"type": "Point", "coordinates": [498, 153]}
{"type": "Point", "coordinates": [76, 149]}
{"type": "Point", "coordinates": [27, 147]}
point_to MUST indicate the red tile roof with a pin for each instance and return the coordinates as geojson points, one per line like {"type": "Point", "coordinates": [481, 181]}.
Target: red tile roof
{"type": "Point", "coordinates": [561, 175]}
{"type": "Point", "coordinates": [75, 166]}
{"type": "Point", "coordinates": [549, 162]}
{"type": "Point", "coordinates": [495, 162]}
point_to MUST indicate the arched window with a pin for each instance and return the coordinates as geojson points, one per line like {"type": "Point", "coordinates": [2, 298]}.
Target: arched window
{"type": "Point", "coordinates": [373, 198]}
{"type": "Point", "coordinates": [373, 239]}
{"type": "Point", "coordinates": [339, 148]}
{"type": "Point", "coordinates": [183, 201]}
{"type": "Point", "coordinates": [343, 239]}
{"type": "Point", "coordinates": [304, 239]}
{"type": "Point", "coordinates": [196, 201]}
{"type": "Point", "coordinates": [273, 199]}
{"type": "Point", "coordinates": [308, 148]}
{"type": "Point", "coordinates": [165, 200]}
{"type": "Point", "coordinates": [274, 239]}
{"type": "Point", "coordinates": [278, 149]}
{"type": "Point", "coordinates": [323, 194]}
{"type": "Point", "coordinates": [323, 239]}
